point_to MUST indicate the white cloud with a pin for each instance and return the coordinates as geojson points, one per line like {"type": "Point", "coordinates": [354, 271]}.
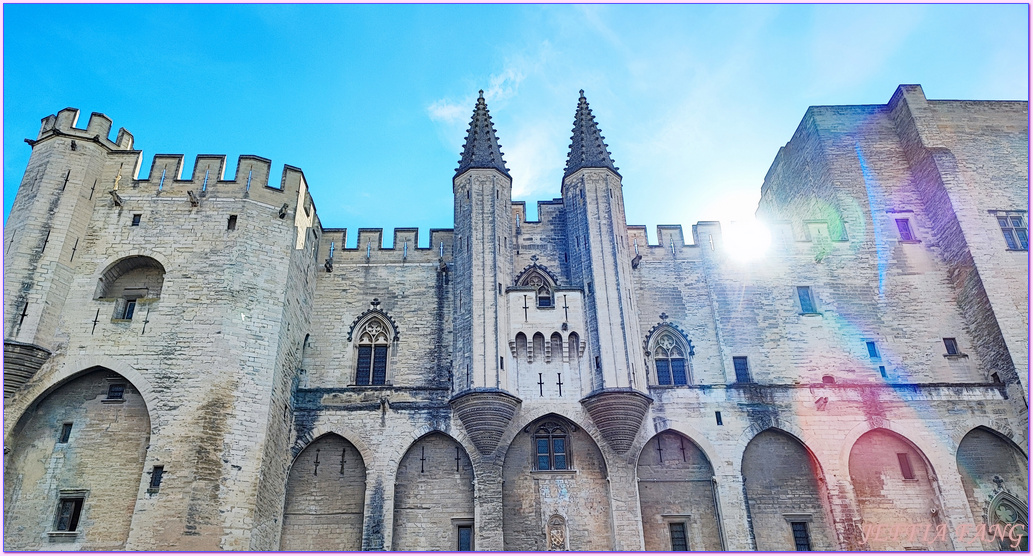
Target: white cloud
{"type": "Point", "coordinates": [448, 112]}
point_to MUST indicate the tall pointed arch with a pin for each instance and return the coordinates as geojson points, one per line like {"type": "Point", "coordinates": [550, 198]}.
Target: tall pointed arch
{"type": "Point", "coordinates": [326, 490]}
{"type": "Point", "coordinates": [88, 438]}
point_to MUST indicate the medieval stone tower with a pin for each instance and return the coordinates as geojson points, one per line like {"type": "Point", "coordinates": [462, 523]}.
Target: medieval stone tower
{"type": "Point", "coordinates": [197, 363]}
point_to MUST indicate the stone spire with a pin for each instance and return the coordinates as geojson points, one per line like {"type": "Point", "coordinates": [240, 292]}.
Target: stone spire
{"type": "Point", "coordinates": [587, 149]}
{"type": "Point", "coordinates": [482, 147]}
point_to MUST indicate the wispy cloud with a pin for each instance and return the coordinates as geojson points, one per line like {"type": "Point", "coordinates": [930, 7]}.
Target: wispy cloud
{"type": "Point", "coordinates": [447, 111]}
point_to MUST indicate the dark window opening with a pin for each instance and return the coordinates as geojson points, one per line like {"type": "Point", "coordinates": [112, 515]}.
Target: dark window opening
{"type": "Point", "coordinates": [806, 300]}
{"type": "Point", "coordinates": [905, 466]}
{"type": "Point", "coordinates": [873, 352]}
{"type": "Point", "coordinates": [742, 369]}
{"type": "Point", "coordinates": [136, 219]}
{"type": "Point", "coordinates": [501, 365]}
{"type": "Point", "coordinates": [465, 538]}
{"type": "Point", "coordinates": [128, 309]}
{"type": "Point", "coordinates": [116, 391]}
{"type": "Point", "coordinates": [544, 296]}
{"type": "Point", "coordinates": [68, 512]}
{"type": "Point", "coordinates": [951, 345]}
{"type": "Point", "coordinates": [717, 415]}
{"type": "Point", "coordinates": [882, 371]}
{"type": "Point", "coordinates": [904, 227]}
{"type": "Point", "coordinates": [801, 537]}
{"type": "Point", "coordinates": [231, 223]}
{"type": "Point", "coordinates": [828, 379]}
{"type": "Point", "coordinates": [1015, 232]}
{"type": "Point", "coordinates": [679, 542]}
{"type": "Point", "coordinates": [66, 433]}
{"type": "Point", "coordinates": [551, 448]}
{"type": "Point", "coordinates": [156, 474]}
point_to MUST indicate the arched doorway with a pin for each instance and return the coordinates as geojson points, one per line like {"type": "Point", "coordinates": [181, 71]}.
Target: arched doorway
{"type": "Point", "coordinates": [76, 464]}
{"type": "Point", "coordinates": [995, 475]}
{"type": "Point", "coordinates": [895, 486]}
{"type": "Point", "coordinates": [676, 494]}
{"type": "Point", "coordinates": [554, 490]}
{"type": "Point", "coordinates": [326, 491]}
{"type": "Point", "coordinates": [787, 501]}
{"type": "Point", "coordinates": [434, 497]}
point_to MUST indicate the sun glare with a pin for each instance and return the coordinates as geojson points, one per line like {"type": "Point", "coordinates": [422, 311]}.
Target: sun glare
{"type": "Point", "coordinates": [746, 240]}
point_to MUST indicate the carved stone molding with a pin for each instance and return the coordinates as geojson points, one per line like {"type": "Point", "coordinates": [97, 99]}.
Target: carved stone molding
{"type": "Point", "coordinates": [485, 414]}
{"type": "Point", "coordinates": [618, 414]}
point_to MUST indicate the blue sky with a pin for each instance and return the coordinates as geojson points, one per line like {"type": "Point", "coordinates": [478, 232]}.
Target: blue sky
{"type": "Point", "coordinates": [373, 101]}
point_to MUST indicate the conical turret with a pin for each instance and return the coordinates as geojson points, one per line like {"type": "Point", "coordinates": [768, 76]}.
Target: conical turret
{"type": "Point", "coordinates": [482, 146]}
{"type": "Point", "coordinates": [587, 149]}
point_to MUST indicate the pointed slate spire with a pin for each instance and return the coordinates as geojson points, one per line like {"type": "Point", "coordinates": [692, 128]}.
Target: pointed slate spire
{"type": "Point", "coordinates": [587, 149]}
{"type": "Point", "coordinates": [482, 148]}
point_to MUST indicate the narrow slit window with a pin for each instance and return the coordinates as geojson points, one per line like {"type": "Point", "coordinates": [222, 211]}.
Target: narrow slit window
{"type": "Point", "coordinates": [905, 466]}
{"type": "Point", "coordinates": [806, 299]}
{"type": "Point", "coordinates": [465, 538]}
{"type": "Point", "coordinates": [717, 415]}
{"type": "Point", "coordinates": [801, 537]}
{"type": "Point", "coordinates": [951, 345]}
{"type": "Point", "coordinates": [231, 222]}
{"type": "Point", "coordinates": [679, 541]}
{"type": "Point", "coordinates": [156, 474]}
{"type": "Point", "coordinates": [66, 433]}
{"type": "Point", "coordinates": [742, 369]}
{"type": "Point", "coordinates": [873, 352]}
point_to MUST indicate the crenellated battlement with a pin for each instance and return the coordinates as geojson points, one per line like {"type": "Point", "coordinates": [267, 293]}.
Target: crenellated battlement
{"type": "Point", "coordinates": [251, 180]}
{"type": "Point", "coordinates": [98, 129]}
{"type": "Point", "coordinates": [370, 248]}
{"type": "Point", "coordinates": [670, 243]}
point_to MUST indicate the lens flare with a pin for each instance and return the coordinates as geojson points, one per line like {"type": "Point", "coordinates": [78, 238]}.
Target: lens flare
{"type": "Point", "coordinates": [746, 240]}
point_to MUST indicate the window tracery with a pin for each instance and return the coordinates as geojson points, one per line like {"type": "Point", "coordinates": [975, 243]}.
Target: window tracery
{"type": "Point", "coordinates": [552, 448]}
{"type": "Point", "coordinates": [373, 343]}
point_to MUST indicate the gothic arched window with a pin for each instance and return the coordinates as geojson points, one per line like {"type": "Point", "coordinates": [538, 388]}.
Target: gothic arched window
{"type": "Point", "coordinates": [371, 366]}
{"type": "Point", "coordinates": [669, 357]}
{"type": "Point", "coordinates": [535, 277]}
{"type": "Point", "coordinates": [552, 447]}
{"type": "Point", "coordinates": [1010, 515]}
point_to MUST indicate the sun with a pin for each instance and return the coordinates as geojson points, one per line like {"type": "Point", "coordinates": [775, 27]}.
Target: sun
{"type": "Point", "coordinates": [746, 240]}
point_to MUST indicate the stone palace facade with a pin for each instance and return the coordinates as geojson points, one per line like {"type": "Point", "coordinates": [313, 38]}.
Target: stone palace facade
{"type": "Point", "coordinates": [197, 363]}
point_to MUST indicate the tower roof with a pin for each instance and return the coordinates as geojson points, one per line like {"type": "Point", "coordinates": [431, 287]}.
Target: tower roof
{"type": "Point", "coordinates": [482, 148]}
{"type": "Point", "coordinates": [587, 149]}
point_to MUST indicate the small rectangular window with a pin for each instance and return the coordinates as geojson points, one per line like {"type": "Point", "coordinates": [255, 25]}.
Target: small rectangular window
{"type": "Point", "coordinates": [951, 345]}
{"type": "Point", "coordinates": [231, 223]}
{"type": "Point", "coordinates": [465, 538]}
{"type": "Point", "coordinates": [128, 309]}
{"type": "Point", "coordinates": [116, 391]}
{"type": "Point", "coordinates": [679, 542]}
{"type": "Point", "coordinates": [136, 219]}
{"type": "Point", "coordinates": [717, 415]}
{"type": "Point", "coordinates": [501, 363]}
{"type": "Point", "coordinates": [806, 300]}
{"type": "Point", "coordinates": [68, 512]}
{"type": "Point", "coordinates": [905, 466]}
{"type": "Point", "coordinates": [882, 371]}
{"type": "Point", "coordinates": [156, 474]}
{"type": "Point", "coordinates": [801, 537]}
{"type": "Point", "coordinates": [904, 227]}
{"type": "Point", "coordinates": [742, 369]}
{"type": "Point", "coordinates": [1015, 232]}
{"type": "Point", "coordinates": [66, 433]}
{"type": "Point", "coordinates": [873, 352]}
